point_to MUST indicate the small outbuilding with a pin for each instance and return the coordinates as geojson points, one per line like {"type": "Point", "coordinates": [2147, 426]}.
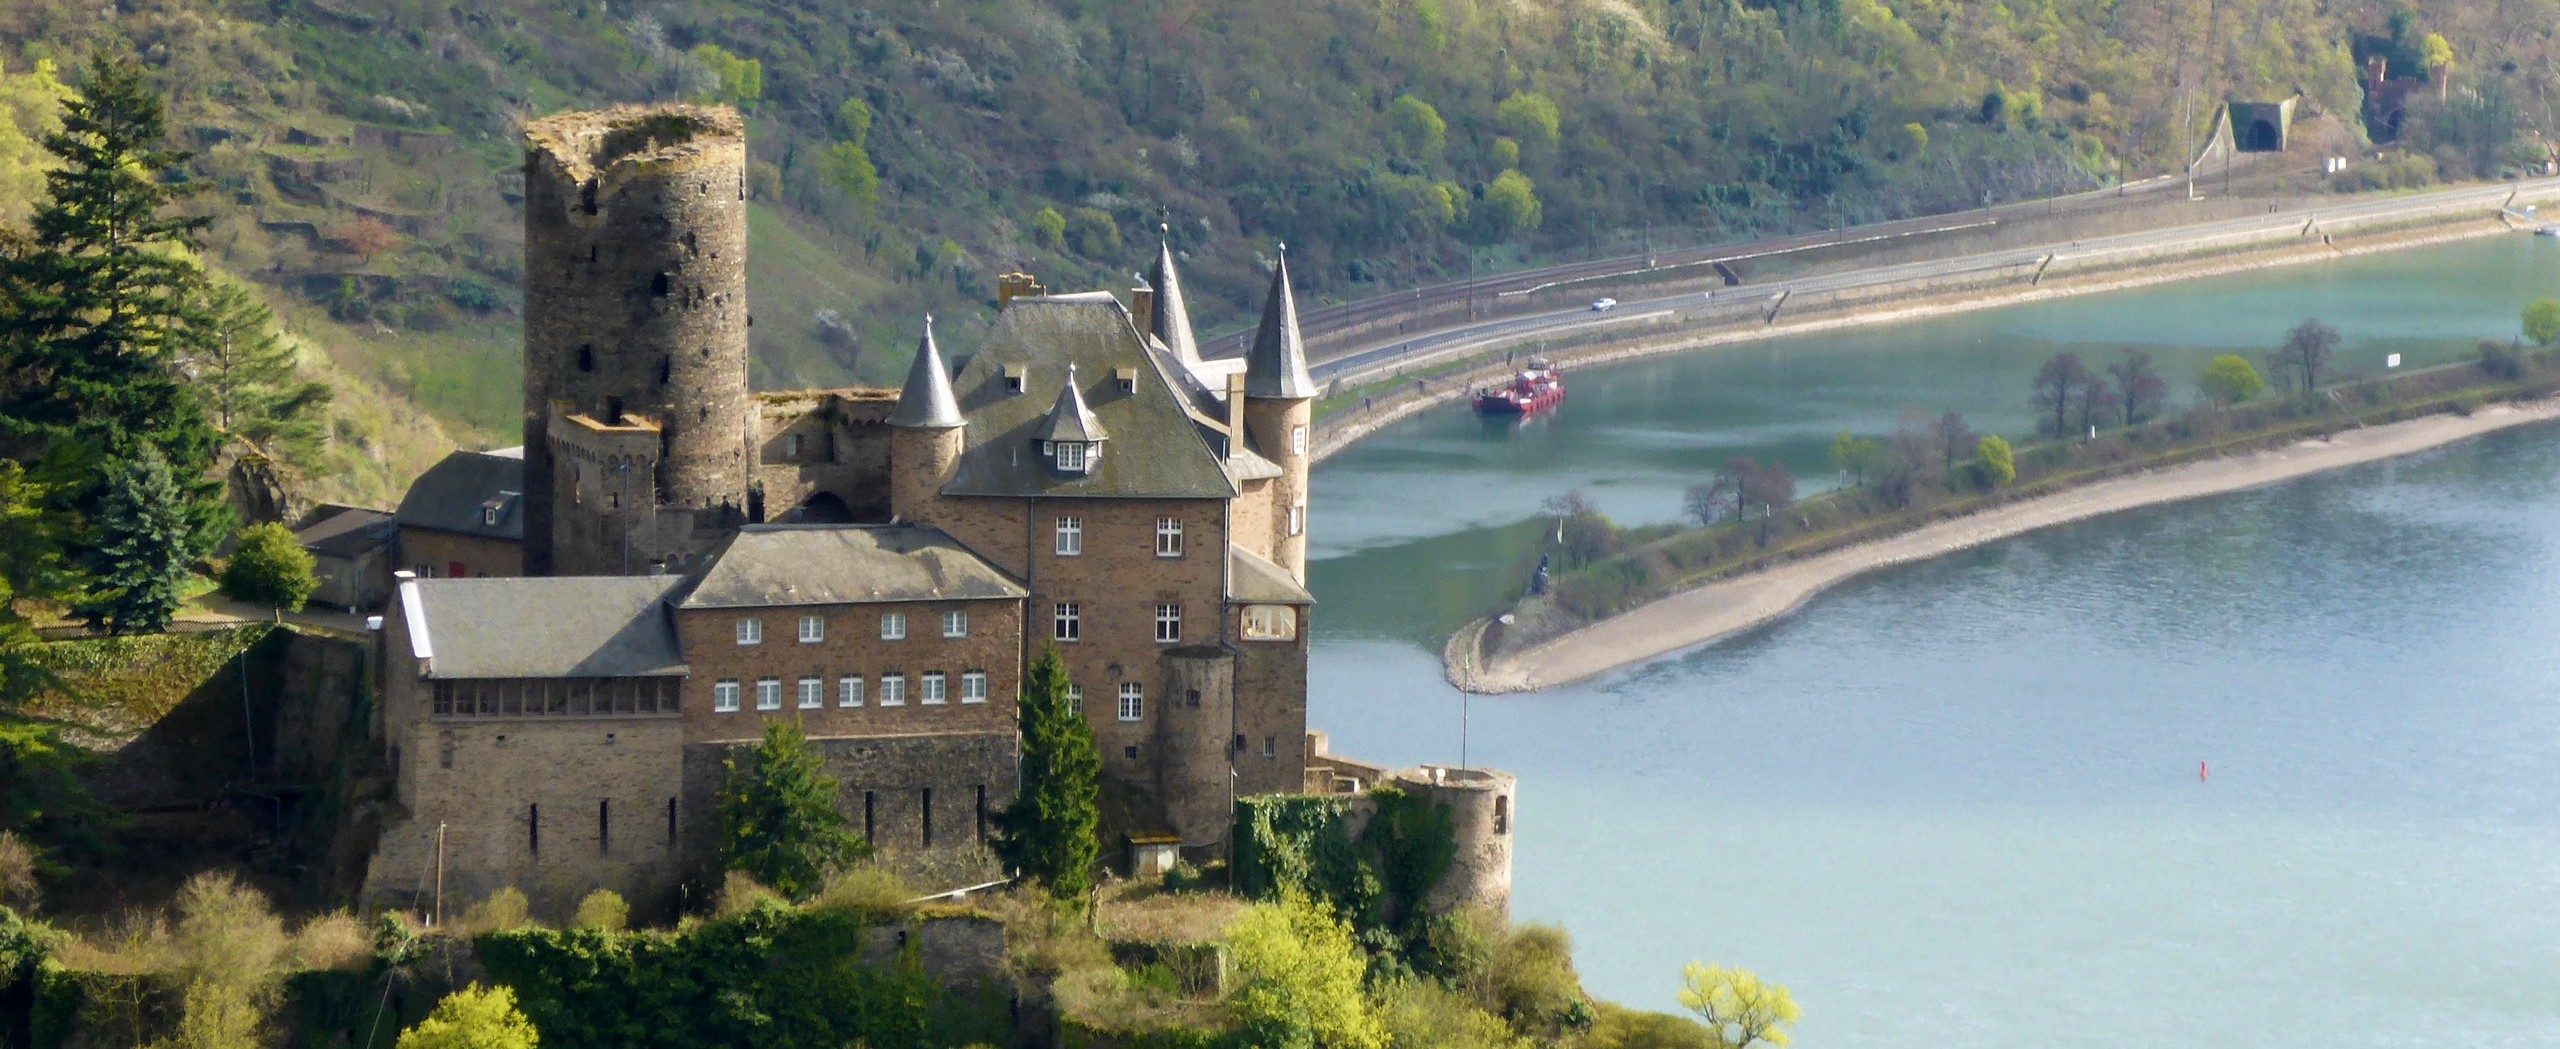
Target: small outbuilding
{"type": "Point", "coordinates": [350, 550]}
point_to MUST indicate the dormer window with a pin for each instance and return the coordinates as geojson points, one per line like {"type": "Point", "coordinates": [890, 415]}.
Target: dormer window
{"type": "Point", "coordinates": [1071, 437]}
{"type": "Point", "coordinates": [1070, 455]}
{"type": "Point", "coordinates": [1127, 378]}
{"type": "Point", "coordinates": [1014, 376]}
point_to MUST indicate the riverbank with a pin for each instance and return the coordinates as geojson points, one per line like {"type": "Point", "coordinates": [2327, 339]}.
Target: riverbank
{"type": "Point", "coordinates": [1405, 399]}
{"type": "Point", "coordinates": [1727, 607]}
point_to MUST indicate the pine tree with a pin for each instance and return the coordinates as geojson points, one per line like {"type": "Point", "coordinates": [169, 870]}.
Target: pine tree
{"type": "Point", "coordinates": [138, 567]}
{"type": "Point", "coordinates": [246, 376]}
{"type": "Point", "coordinates": [1049, 832]}
{"type": "Point", "coordinates": [778, 818]}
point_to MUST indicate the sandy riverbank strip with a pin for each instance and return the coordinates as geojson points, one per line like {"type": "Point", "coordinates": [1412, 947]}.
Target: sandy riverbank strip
{"type": "Point", "coordinates": [1338, 432]}
{"type": "Point", "coordinates": [1727, 607]}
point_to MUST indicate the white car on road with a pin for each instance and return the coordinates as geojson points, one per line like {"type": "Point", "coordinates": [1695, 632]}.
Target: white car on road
{"type": "Point", "coordinates": [1603, 305]}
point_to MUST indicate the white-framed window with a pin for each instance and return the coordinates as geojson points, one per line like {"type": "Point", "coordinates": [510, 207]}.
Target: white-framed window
{"type": "Point", "coordinates": [849, 690]}
{"type": "Point", "coordinates": [813, 629]}
{"type": "Point", "coordinates": [1297, 440]}
{"type": "Point", "coordinates": [893, 690]}
{"type": "Point", "coordinates": [955, 624]}
{"type": "Point", "coordinates": [724, 695]}
{"type": "Point", "coordinates": [813, 693]}
{"type": "Point", "coordinates": [751, 631]}
{"type": "Point", "coordinates": [1297, 520]}
{"type": "Point", "coordinates": [1070, 535]}
{"type": "Point", "coordinates": [1075, 700]}
{"type": "Point", "coordinates": [1067, 623]}
{"type": "Point", "coordinates": [1168, 537]}
{"type": "Point", "coordinates": [1168, 623]}
{"type": "Point", "coordinates": [1133, 701]}
{"type": "Point", "coordinates": [931, 693]}
{"type": "Point", "coordinates": [1270, 623]}
{"type": "Point", "coordinates": [768, 693]}
{"type": "Point", "coordinates": [1071, 456]}
{"type": "Point", "coordinates": [1270, 746]}
{"type": "Point", "coordinates": [893, 626]}
{"type": "Point", "coordinates": [973, 686]}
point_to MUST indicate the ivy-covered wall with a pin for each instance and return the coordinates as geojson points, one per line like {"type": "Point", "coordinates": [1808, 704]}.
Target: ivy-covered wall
{"type": "Point", "coordinates": [1373, 858]}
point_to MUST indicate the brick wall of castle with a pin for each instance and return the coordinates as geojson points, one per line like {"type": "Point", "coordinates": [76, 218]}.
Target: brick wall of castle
{"type": "Point", "coordinates": [850, 645]}
{"type": "Point", "coordinates": [434, 554]}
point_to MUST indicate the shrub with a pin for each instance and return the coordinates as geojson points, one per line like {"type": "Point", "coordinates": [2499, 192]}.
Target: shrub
{"type": "Point", "coordinates": [1298, 978]}
{"type": "Point", "coordinates": [335, 940]}
{"type": "Point", "coordinates": [2542, 321]}
{"type": "Point", "coordinates": [505, 910]}
{"type": "Point", "coordinates": [270, 568]}
{"type": "Point", "coordinates": [871, 892]}
{"type": "Point", "coordinates": [17, 870]}
{"type": "Point", "coordinates": [2504, 360]}
{"type": "Point", "coordinates": [226, 933]}
{"type": "Point", "coordinates": [473, 1018]}
{"type": "Point", "coordinates": [1531, 982]}
{"type": "Point", "coordinates": [603, 911]}
{"type": "Point", "coordinates": [741, 893]}
{"type": "Point", "coordinates": [1998, 465]}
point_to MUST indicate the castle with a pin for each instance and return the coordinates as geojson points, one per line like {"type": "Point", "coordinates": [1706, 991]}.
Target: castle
{"type": "Point", "coordinates": [879, 566]}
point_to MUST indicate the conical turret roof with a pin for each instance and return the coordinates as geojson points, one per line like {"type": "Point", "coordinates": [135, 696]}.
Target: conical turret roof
{"type": "Point", "coordinates": [1069, 419]}
{"type": "Point", "coordinates": [1276, 366]}
{"type": "Point", "coordinates": [926, 402]}
{"type": "Point", "coordinates": [1171, 320]}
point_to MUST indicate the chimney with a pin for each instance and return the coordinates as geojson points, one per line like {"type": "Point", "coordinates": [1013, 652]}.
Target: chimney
{"type": "Point", "coordinates": [1235, 412]}
{"type": "Point", "coordinates": [1142, 308]}
{"type": "Point", "coordinates": [1012, 286]}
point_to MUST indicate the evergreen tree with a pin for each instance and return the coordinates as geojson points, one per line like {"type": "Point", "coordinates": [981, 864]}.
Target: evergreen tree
{"type": "Point", "coordinates": [139, 563]}
{"type": "Point", "coordinates": [778, 818]}
{"type": "Point", "coordinates": [246, 376]}
{"type": "Point", "coordinates": [30, 567]}
{"type": "Point", "coordinates": [1048, 833]}
{"type": "Point", "coordinates": [102, 301]}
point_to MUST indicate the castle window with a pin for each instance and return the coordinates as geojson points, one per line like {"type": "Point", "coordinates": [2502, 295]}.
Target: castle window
{"type": "Point", "coordinates": [1071, 457]}
{"type": "Point", "coordinates": [1191, 699]}
{"type": "Point", "coordinates": [658, 285]}
{"type": "Point", "coordinates": [1130, 752]}
{"type": "Point", "coordinates": [870, 813]}
{"type": "Point", "coordinates": [893, 626]}
{"type": "Point", "coordinates": [671, 821]}
{"type": "Point", "coordinates": [586, 358]}
{"type": "Point", "coordinates": [724, 696]}
{"type": "Point", "coordinates": [1168, 623]}
{"type": "Point", "coordinates": [1075, 700]}
{"type": "Point", "coordinates": [813, 693]}
{"type": "Point", "coordinates": [604, 826]}
{"type": "Point", "coordinates": [1298, 520]}
{"type": "Point", "coordinates": [1298, 440]}
{"type": "Point", "coordinates": [925, 804]}
{"type": "Point", "coordinates": [973, 687]}
{"type": "Point", "coordinates": [768, 693]}
{"type": "Point", "coordinates": [1070, 536]}
{"type": "Point", "coordinates": [533, 828]}
{"type": "Point", "coordinates": [849, 690]}
{"type": "Point", "coordinates": [1270, 623]}
{"type": "Point", "coordinates": [813, 629]}
{"type": "Point", "coordinates": [751, 631]}
{"type": "Point", "coordinates": [955, 624]}
{"type": "Point", "coordinates": [1270, 746]}
{"type": "Point", "coordinates": [791, 447]}
{"type": "Point", "coordinates": [666, 370]}
{"type": "Point", "coordinates": [1066, 623]}
{"type": "Point", "coordinates": [1133, 701]}
{"type": "Point", "coordinates": [931, 692]}
{"type": "Point", "coordinates": [1501, 814]}
{"type": "Point", "coordinates": [893, 690]}
{"type": "Point", "coordinates": [1168, 537]}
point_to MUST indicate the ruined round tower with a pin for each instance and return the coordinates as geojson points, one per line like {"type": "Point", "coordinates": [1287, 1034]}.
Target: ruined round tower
{"type": "Point", "coordinates": [635, 273]}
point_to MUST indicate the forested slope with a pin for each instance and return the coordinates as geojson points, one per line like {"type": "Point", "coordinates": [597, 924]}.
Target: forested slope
{"type": "Point", "coordinates": [361, 154]}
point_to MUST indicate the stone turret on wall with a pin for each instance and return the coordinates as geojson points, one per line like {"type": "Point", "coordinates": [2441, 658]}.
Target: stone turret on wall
{"type": "Point", "coordinates": [1278, 413]}
{"type": "Point", "coordinates": [926, 436]}
{"type": "Point", "coordinates": [636, 304]}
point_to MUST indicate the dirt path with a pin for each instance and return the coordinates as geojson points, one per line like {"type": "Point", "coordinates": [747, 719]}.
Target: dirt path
{"type": "Point", "coordinates": [1721, 609]}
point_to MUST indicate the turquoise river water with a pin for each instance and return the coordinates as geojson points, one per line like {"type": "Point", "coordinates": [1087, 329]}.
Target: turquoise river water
{"type": "Point", "coordinates": [1957, 803]}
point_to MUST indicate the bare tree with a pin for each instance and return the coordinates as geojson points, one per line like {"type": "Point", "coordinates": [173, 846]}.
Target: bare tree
{"type": "Point", "coordinates": [1733, 481]}
{"type": "Point", "coordinates": [1955, 441]}
{"type": "Point", "coordinates": [2098, 404]}
{"type": "Point", "coordinates": [1772, 487]}
{"type": "Point", "coordinates": [1703, 503]}
{"type": "Point", "coordinates": [2304, 355]}
{"type": "Point", "coordinates": [1586, 534]}
{"type": "Point", "coordinates": [2142, 388]}
{"type": "Point", "coordinates": [1915, 446]}
{"type": "Point", "coordinates": [2058, 388]}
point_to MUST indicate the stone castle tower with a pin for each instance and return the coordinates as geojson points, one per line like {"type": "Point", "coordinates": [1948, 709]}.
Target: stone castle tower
{"type": "Point", "coordinates": [637, 440]}
{"type": "Point", "coordinates": [1279, 415]}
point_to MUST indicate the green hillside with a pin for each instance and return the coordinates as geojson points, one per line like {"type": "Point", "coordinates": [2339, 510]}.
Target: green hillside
{"type": "Point", "coordinates": [360, 157]}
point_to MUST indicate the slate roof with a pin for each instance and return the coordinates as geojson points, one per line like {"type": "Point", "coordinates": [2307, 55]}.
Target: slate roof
{"type": "Point", "coordinates": [451, 495]}
{"type": "Point", "coordinates": [1252, 579]}
{"type": "Point", "coordinates": [1069, 419]}
{"type": "Point", "coordinates": [349, 533]}
{"type": "Point", "coordinates": [769, 565]}
{"type": "Point", "coordinates": [1276, 364]}
{"type": "Point", "coordinates": [1170, 321]}
{"type": "Point", "coordinates": [555, 627]}
{"type": "Point", "coordinates": [925, 402]}
{"type": "Point", "coordinates": [1156, 450]}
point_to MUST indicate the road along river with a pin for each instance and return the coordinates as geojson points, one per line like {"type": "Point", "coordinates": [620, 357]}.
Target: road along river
{"type": "Point", "coordinates": [1958, 802]}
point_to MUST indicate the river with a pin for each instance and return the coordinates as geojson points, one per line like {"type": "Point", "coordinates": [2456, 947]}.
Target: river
{"type": "Point", "coordinates": [1959, 803]}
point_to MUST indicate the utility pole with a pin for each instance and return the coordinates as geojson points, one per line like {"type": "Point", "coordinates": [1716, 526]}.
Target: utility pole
{"type": "Point", "coordinates": [439, 919]}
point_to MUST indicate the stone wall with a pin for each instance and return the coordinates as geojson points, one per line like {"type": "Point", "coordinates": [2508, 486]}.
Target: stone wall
{"type": "Point", "coordinates": [885, 783]}
{"type": "Point", "coordinates": [437, 552]}
{"type": "Point", "coordinates": [635, 297]}
{"type": "Point", "coordinates": [824, 455]}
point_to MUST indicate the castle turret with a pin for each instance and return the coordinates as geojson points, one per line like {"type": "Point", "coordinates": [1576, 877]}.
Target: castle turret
{"type": "Point", "coordinates": [1195, 765]}
{"type": "Point", "coordinates": [1278, 411]}
{"type": "Point", "coordinates": [926, 435]}
{"type": "Point", "coordinates": [636, 311]}
{"type": "Point", "coordinates": [1167, 318]}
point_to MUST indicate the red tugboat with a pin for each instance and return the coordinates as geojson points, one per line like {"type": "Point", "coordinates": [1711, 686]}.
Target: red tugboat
{"type": "Point", "coordinates": [1536, 389]}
